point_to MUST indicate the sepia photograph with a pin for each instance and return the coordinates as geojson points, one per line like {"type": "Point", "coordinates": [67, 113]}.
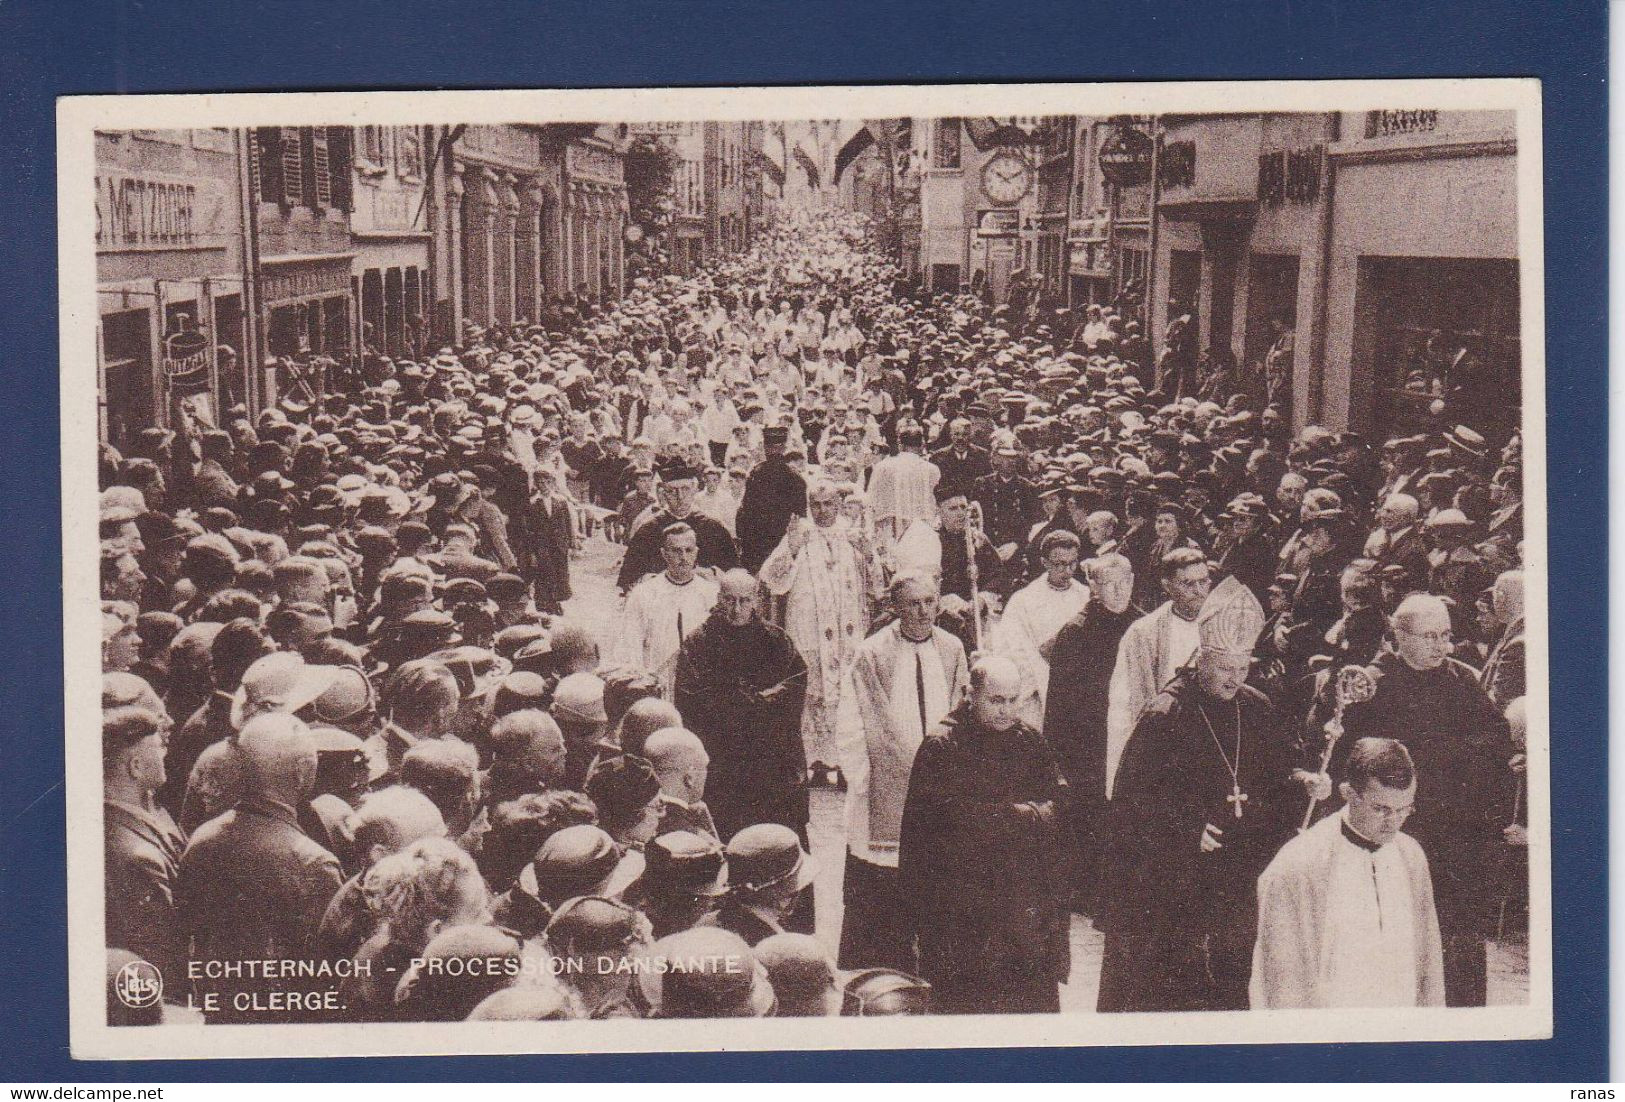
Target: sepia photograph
{"type": "Point", "coordinates": [1055, 575]}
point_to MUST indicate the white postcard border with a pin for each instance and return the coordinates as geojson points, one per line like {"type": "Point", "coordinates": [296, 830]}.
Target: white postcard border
{"type": "Point", "coordinates": [80, 117]}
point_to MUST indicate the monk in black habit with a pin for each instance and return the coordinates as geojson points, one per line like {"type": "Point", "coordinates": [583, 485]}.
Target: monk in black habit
{"type": "Point", "coordinates": [740, 686]}
{"type": "Point", "coordinates": [981, 863]}
{"type": "Point", "coordinates": [773, 494]}
{"type": "Point", "coordinates": [1461, 744]}
{"type": "Point", "coordinates": [1081, 657]}
{"type": "Point", "coordinates": [1204, 797]}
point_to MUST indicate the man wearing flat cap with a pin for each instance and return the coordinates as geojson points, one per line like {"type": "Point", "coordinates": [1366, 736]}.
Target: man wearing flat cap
{"type": "Point", "coordinates": [1249, 549]}
{"type": "Point", "coordinates": [1009, 509]}
{"type": "Point", "coordinates": [962, 462]}
{"type": "Point", "coordinates": [1456, 570]}
{"type": "Point", "coordinates": [142, 843]}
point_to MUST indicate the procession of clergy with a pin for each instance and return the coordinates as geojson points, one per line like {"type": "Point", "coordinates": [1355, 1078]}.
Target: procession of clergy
{"type": "Point", "coordinates": [1077, 630]}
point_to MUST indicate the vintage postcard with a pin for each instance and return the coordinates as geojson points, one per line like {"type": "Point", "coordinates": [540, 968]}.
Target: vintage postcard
{"type": "Point", "coordinates": [692, 569]}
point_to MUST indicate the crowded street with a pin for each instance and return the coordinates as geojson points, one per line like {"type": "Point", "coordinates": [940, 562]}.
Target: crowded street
{"type": "Point", "coordinates": [887, 642]}
{"type": "Point", "coordinates": [597, 603]}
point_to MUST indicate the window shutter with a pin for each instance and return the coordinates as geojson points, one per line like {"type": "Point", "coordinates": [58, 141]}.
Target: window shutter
{"type": "Point", "coordinates": [265, 164]}
{"type": "Point", "coordinates": [307, 139]}
{"type": "Point", "coordinates": [341, 159]}
{"type": "Point", "coordinates": [322, 192]}
{"type": "Point", "coordinates": [293, 167]}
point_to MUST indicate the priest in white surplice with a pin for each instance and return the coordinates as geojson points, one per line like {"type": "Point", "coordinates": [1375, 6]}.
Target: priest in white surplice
{"type": "Point", "coordinates": [664, 609]}
{"type": "Point", "coordinates": [904, 680]}
{"type": "Point", "coordinates": [902, 487]}
{"type": "Point", "coordinates": [1033, 616]}
{"type": "Point", "coordinates": [823, 568]}
{"type": "Point", "coordinates": [1153, 648]}
{"type": "Point", "coordinates": [1345, 910]}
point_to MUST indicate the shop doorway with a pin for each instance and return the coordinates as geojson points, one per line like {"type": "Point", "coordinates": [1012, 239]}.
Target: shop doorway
{"type": "Point", "coordinates": [1222, 243]}
{"type": "Point", "coordinates": [335, 319]}
{"type": "Point", "coordinates": [1272, 292]}
{"type": "Point", "coordinates": [1184, 282]}
{"type": "Point", "coordinates": [394, 312]}
{"type": "Point", "coordinates": [375, 334]}
{"type": "Point", "coordinates": [127, 371]}
{"type": "Point", "coordinates": [228, 335]}
{"type": "Point", "coordinates": [416, 309]}
{"type": "Point", "coordinates": [1001, 260]}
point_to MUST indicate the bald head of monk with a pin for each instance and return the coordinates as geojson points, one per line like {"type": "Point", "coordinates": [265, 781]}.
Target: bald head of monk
{"type": "Point", "coordinates": [995, 683]}
{"type": "Point", "coordinates": [738, 596]}
{"type": "Point", "coordinates": [680, 761]}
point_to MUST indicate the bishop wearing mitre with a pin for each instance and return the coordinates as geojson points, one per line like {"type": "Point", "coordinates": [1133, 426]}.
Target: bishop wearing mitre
{"type": "Point", "coordinates": [1205, 796]}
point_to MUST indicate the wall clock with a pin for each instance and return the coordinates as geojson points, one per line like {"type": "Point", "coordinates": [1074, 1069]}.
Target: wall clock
{"type": "Point", "coordinates": [1007, 178]}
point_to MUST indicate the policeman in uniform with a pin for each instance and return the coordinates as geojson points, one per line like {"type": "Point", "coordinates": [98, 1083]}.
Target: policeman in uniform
{"type": "Point", "coordinates": [1009, 507]}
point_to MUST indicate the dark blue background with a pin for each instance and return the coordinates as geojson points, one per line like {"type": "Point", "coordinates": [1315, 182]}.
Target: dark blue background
{"type": "Point", "coordinates": [52, 47]}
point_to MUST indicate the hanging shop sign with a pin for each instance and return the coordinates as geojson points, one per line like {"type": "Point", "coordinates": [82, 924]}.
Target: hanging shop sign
{"type": "Point", "coordinates": [1125, 157]}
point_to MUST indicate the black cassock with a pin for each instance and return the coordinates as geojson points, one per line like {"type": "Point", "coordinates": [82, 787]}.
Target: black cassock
{"type": "Point", "coordinates": [956, 580]}
{"type": "Point", "coordinates": [716, 547]}
{"type": "Point", "coordinates": [1179, 923]}
{"type": "Point", "coordinates": [757, 772]}
{"type": "Point", "coordinates": [1080, 674]}
{"type": "Point", "coordinates": [1460, 744]}
{"type": "Point", "coordinates": [981, 864]}
{"type": "Point", "coordinates": [773, 494]}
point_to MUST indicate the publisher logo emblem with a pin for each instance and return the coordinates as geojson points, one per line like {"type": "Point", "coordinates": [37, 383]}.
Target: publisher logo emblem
{"type": "Point", "coordinates": [138, 985]}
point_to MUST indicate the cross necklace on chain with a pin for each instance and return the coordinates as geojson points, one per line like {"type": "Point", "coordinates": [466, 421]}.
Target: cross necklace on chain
{"type": "Point", "coordinates": [1237, 797]}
